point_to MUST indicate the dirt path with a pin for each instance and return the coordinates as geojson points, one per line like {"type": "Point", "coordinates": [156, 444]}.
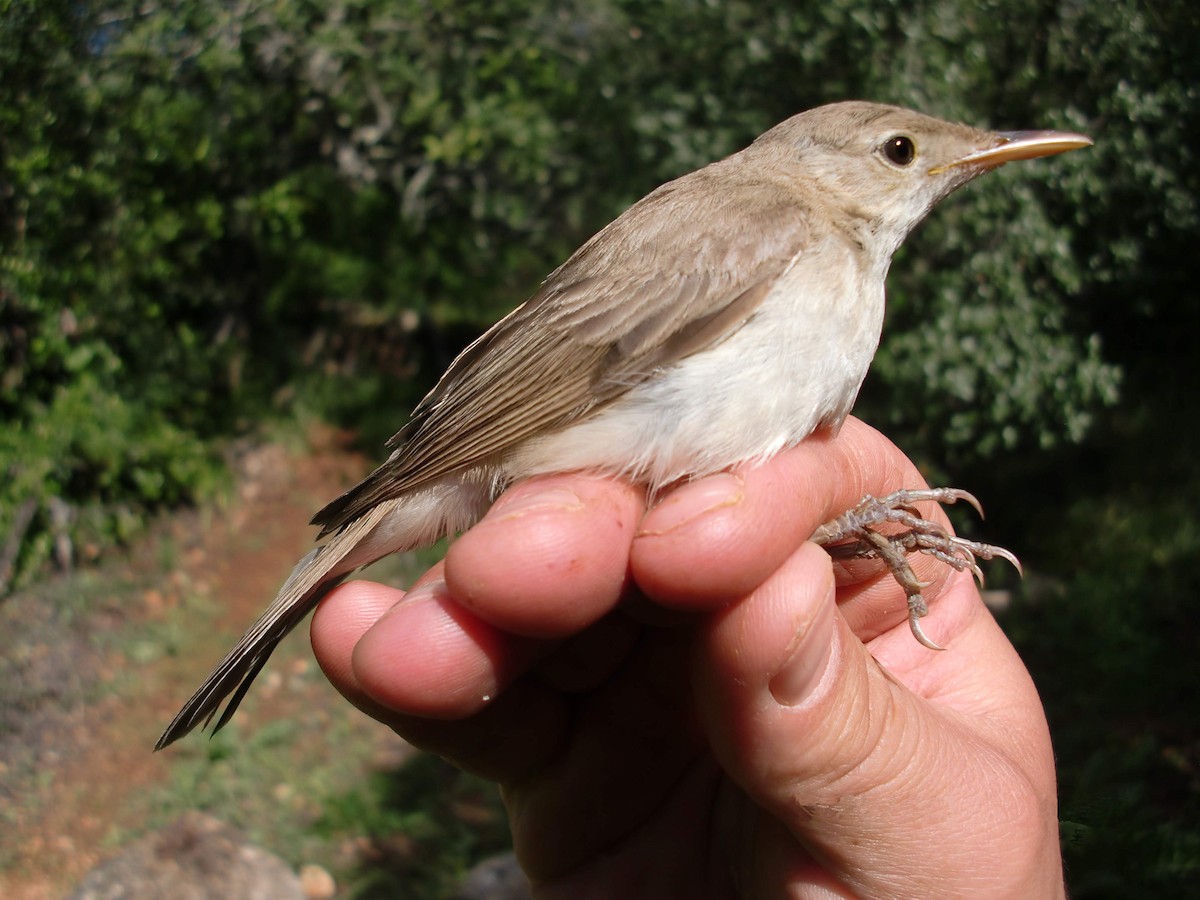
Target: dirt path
{"type": "Point", "coordinates": [88, 690]}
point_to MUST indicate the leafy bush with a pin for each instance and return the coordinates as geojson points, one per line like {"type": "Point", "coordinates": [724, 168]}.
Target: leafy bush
{"type": "Point", "coordinates": [215, 212]}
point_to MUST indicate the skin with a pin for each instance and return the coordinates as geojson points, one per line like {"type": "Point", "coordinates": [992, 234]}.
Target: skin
{"type": "Point", "coordinates": [689, 701]}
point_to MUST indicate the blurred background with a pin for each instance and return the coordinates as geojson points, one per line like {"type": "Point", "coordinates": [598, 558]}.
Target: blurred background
{"type": "Point", "coordinates": [239, 240]}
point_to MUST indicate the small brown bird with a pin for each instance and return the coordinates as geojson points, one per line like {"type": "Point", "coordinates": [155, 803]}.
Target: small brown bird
{"type": "Point", "coordinates": [724, 317]}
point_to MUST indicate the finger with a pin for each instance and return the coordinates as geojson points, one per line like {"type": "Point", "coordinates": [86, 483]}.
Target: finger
{"type": "Point", "coordinates": [429, 656]}
{"type": "Point", "coordinates": [448, 648]}
{"type": "Point", "coordinates": [632, 740]}
{"type": "Point", "coordinates": [550, 557]}
{"type": "Point", "coordinates": [340, 621]}
{"type": "Point", "coordinates": [503, 740]}
{"type": "Point", "coordinates": [589, 658]}
{"type": "Point", "coordinates": [854, 764]}
{"type": "Point", "coordinates": [417, 653]}
{"type": "Point", "coordinates": [716, 539]}
{"type": "Point", "coordinates": [515, 737]}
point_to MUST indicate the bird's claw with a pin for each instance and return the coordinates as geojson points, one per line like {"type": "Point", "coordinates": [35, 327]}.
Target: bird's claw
{"type": "Point", "coordinates": [853, 535]}
{"type": "Point", "coordinates": [914, 622]}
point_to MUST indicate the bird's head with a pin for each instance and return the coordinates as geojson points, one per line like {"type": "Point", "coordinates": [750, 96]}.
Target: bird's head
{"type": "Point", "coordinates": [891, 166]}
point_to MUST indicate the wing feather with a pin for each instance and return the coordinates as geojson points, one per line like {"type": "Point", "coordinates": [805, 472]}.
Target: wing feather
{"type": "Point", "coordinates": [679, 271]}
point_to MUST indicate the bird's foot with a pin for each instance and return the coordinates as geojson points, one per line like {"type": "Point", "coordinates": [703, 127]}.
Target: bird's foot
{"type": "Point", "coordinates": [852, 535]}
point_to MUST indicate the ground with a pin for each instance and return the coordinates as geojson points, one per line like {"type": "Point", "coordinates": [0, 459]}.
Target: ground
{"type": "Point", "coordinates": [96, 663]}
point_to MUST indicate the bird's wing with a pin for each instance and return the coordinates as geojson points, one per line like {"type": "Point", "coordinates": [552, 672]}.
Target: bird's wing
{"type": "Point", "coordinates": [679, 271]}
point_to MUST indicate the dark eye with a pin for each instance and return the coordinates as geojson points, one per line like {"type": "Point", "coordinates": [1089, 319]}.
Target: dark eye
{"type": "Point", "coordinates": [900, 150]}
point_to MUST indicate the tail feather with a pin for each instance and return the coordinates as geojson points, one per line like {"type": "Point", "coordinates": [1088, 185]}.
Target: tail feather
{"type": "Point", "coordinates": [312, 578]}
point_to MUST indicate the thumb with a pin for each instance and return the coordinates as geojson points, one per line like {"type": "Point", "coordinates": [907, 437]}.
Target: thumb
{"type": "Point", "coordinates": [783, 686]}
{"type": "Point", "coordinates": [857, 776]}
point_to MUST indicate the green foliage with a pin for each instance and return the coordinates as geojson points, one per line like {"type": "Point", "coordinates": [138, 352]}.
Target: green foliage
{"type": "Point", "coordinates": [1037, 283]}
{"type": "Point", "coordinates": [213, 211]}
{"type": "Point", "coordinates": [424, 826]}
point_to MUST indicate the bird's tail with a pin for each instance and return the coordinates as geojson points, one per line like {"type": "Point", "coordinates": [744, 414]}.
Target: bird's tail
{"type": "Point", "coordinates": [312, 578]}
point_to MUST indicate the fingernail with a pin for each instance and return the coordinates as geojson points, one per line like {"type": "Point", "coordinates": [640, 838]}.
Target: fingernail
{"type": "Point", "coordinates": [807, 657]}
{"type": "Point", "coordinates": [427, 591]}
{"type": "Point", "coordinates": [551, 500]}
{"type": "Point", "coordinates": [693, 501]}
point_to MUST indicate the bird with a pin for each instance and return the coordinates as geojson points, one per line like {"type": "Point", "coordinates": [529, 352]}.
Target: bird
{"type": "Point", "coordinates": [724, 317]}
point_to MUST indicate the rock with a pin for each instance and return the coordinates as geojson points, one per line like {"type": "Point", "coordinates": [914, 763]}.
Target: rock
{"type": "Point", "coordinates": [196, 857]}
{"type": "Point", "coordinates": [496, 878]}
{"type": "Point", "coordinates": [317, 883]}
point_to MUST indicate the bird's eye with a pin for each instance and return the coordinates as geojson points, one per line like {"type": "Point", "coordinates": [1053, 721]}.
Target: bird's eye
{"type": "Point", "coordinates": [900, 150]}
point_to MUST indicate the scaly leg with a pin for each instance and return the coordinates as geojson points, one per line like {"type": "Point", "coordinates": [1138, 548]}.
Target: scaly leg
{"type": "Point", "coordinates": [852, 535]}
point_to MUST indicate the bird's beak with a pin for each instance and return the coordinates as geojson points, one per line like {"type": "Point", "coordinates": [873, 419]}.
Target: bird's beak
{"type": "Point", "coordinates": [1013, 145]}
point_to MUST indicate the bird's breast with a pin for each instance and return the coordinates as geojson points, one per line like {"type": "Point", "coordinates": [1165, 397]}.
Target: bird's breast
{"type": "Point", "coordinates": [795, 365]}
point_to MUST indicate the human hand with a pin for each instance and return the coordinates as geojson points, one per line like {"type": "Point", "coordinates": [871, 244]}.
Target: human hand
{"type": "Point", "coordinates": [688, 702]}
